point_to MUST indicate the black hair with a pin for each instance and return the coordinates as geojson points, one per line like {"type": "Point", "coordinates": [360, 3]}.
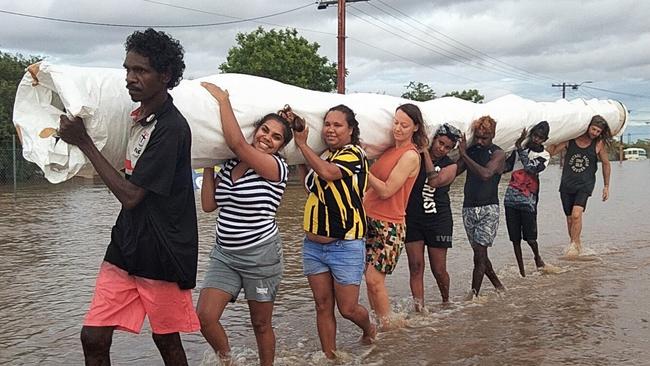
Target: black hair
{"type": "Point", "coordinates": [165, 53]}
{"type": "Point", "coordinates": [541, 130]}
{"type": "Point", "coordinates": [420, 135]}
{"type": "Point", "coordinates": [288, 134]}
{"type": "Point", "coordinates": [350, 118]}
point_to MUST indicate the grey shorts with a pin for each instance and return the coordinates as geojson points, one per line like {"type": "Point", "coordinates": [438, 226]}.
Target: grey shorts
{"type": "Point", "coordinates": [481, 224]}
{"type": "Point", "coordinates": [256, 270]}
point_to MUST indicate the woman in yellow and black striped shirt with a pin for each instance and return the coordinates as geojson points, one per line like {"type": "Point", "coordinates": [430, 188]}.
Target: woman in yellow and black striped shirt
{"type": "Point", "coordinates": [335, 225]}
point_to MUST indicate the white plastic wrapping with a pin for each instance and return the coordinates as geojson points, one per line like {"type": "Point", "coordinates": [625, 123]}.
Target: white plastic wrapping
{"type": "Point", "coordinates": [100, 97]}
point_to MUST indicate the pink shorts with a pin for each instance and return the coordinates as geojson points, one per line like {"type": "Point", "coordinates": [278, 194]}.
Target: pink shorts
{"type": "Point", "coordinates": [122, 301]}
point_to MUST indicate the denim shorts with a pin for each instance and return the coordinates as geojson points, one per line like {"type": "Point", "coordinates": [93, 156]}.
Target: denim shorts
{"type": "Point", "coordinates": [345, 259]}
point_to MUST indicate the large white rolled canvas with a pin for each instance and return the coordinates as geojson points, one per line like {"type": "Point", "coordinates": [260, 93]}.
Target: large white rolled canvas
{"type": "Point", "coordinates": [99, 96]}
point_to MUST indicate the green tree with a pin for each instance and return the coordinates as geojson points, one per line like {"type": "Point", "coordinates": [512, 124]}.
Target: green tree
{"type": "Point", "coordinates": [472, 95]}
{"type": "Point", "coordinates": [12, 68]}
{"type": "Point", "coordinates": [419, 92]}
{"type": "Point", "coordinates": [283, 56]}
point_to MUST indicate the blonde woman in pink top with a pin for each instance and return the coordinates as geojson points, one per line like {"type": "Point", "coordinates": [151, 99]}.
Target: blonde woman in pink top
{"type": "Point", "coordinates": [391, 179]}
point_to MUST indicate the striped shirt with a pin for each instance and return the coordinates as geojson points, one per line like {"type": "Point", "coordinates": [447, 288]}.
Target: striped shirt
{"type": "Point", "coordinates": [335, 209]}
{"type": "Point", "coordinates": [247, 206]}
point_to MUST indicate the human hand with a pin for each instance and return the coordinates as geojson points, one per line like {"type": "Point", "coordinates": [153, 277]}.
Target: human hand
{"type": "Point", "coordinates": [72, 131]}
{"type": "Point", "coordinates": [462, 144]}
{"type": "Point", "coordinates": [520, 139]}
{"type": "Point", "coordinates": [605, 193]}
{"type": "Point", "coordinates": [296, 122]}
{"type": "Point", "coordinates": [219, 94]}
{"type": "Point", "coordinates": [300, 137]}
{"type": "Point", "coordinates": [425, 151]}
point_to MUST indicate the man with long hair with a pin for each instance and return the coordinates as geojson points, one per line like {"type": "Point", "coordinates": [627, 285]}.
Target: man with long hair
{"type": "Point", "coordinates": [579, 175]}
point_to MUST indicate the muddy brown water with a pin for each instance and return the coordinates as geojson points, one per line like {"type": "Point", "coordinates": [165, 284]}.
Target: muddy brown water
{"type": "Point", "coordinates": [594, 312]}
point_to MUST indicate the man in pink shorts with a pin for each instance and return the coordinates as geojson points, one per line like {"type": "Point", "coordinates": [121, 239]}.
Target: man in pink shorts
{"type": "Point", "coordinates": [150, 264]}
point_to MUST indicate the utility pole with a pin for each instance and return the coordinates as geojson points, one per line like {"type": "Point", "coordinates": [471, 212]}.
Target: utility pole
{"type": "Point", "coordinates": [572, 86]}
{"type": "Point", "coordinates": [340, 66]}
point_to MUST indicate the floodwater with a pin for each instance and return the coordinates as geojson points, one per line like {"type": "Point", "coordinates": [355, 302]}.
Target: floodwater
{"type": "Point", "coordinates": [594, 312]}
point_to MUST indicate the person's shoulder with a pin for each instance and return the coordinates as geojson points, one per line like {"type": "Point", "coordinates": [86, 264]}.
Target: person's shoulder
{"type": "Point", "coordinates": [445, 161]}
{"type": "Point", "coordinates": [280, 159]}
{"type": "Point", "coordinates": [173, 119]}
{"type": "Point", "coordinates": [351, 149]}
{"type": "Point", "coordinates": [411, 156]}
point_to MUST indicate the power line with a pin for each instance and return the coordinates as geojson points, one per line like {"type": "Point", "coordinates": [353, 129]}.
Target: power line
{"type": "Point", "coordinates": [459, 58]}
{"type": "Point", "coordinates": [410, 60]}
{"type": "Point", "coordinates": [461, 44]}
{"type": "Point", "coordinates": [617, 92]}
{"type": "Point", "coordinates": [233, 17]}
{"type": "Point", "coordinates": [470, 57]}
{"type": "Point", "coordinates": [152, 26]}
{"type": "Point", "coordinates": [421, 64]}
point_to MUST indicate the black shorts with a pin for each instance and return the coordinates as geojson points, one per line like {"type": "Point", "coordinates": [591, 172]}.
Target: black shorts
{"type": "Point", "coordinates": [573, 199]}
{"type": "Point", "coordinates": [521, 222]}
{"type": "Point", "coordinates": [435, 230]}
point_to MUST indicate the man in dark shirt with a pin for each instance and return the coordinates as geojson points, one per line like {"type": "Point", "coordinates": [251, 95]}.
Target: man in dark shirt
{"type": "Point", "coordinates": [579, 175]}
{"type": "Point", "coordinates": [484, 162]}
{"type": "Point", "coordinates": [150, 264]}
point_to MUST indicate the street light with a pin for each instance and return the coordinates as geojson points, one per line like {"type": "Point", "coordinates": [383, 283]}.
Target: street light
{"type": "Point", "coordinates": [575, 86]}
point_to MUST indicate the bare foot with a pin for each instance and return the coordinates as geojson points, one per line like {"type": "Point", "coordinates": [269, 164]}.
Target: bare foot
{"type": "Point", "coordinates": [471, 295]}
{"type": "Point", "coordinates": [369, 338]}
{"type": "Point", "coordinates": [391, 323]}
{"type": "Point", "coordinates": [226, 359]}
{"type": "Point", "coordinates": [572, 251]}
{"type": "Point", "coordinates": [418, 304]}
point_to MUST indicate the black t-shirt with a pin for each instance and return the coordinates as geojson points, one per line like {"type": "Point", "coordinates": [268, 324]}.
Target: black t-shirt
{"type": "Point", "coordinates": [579, 171]}
{"type": "Point", "coordinates": [425, 199]}
{"type": "Point", "coordinates": [158, 238]}
{"type": "Point", "coordinates": [479, 192]}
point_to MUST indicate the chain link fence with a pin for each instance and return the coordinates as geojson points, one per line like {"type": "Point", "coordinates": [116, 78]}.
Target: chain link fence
{"type": "Point", "coordinates": [14, 169]}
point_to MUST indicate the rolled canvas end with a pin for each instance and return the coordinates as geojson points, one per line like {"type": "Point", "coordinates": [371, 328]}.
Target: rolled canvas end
{"type": "Point", "coordinates": [33, 70]}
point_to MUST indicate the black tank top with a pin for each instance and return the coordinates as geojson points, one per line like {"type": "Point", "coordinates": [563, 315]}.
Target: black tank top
{"type": "Point", "coordinates": [427, 200]}
{"type": "Point", "coordinates": [579, 171]}
{"type": "Point", "coordinates": [479, 192]}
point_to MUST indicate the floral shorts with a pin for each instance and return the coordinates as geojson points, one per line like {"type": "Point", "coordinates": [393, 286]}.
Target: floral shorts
{"type": "Point", "coordinates": [384, 244]}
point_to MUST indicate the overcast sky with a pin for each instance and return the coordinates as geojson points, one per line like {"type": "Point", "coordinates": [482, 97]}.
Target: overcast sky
{"type": "Point", "coordinates": [497, 47]}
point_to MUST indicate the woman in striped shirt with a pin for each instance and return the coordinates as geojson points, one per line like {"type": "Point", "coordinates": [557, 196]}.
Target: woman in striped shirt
{"type": "Point", "coordinates": [335, 224]}
{"type": "Point", "coordinates": [248, 251]}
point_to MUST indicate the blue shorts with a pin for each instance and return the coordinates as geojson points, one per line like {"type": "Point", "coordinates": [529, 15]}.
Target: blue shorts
{"type": "Point", "coordinates": [345, 259]}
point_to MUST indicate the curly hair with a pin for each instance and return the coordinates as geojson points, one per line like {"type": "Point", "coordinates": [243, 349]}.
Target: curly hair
{"type": "Point", "coordinates": [350, 119]}
{"type": "Point", "coordinates": [486, 124]}
{"type": "Point", "coordinates": [288, 134]}
{"type": "Point", "coordinates": [419, 138]}
{"type": "Point", "coordinates": [165, 53]}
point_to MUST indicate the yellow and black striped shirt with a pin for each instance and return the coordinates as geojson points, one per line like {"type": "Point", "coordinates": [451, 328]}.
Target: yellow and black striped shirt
{"type": "Point", "coordinates": [335, 209]}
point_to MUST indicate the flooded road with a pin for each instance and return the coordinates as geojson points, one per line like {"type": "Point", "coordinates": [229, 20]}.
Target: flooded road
{"type": "Point", "coordinates": [595, 312]}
